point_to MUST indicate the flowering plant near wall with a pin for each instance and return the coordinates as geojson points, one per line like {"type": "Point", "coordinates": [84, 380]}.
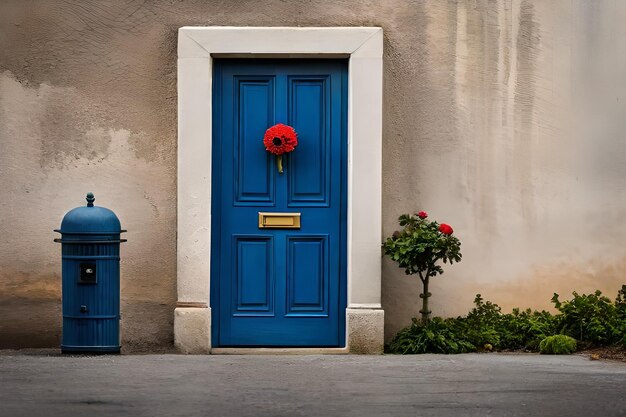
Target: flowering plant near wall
{"type": "Point", "coordinates": [419, 247]}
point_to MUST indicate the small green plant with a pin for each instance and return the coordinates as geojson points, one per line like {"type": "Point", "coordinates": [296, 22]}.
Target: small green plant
{"type": "Point", "coordinates": [525, 329]}
{"type": "Point", "coordinates": [559, 344]}
{"type": "Point", "coordinates": [590, 318]}
{"type": "Point", "coordinates": [481, 323]}
{"type": "Point", "coordinates": [486, 324]}
{"type": "Point", "coordinates": [419, 247]}
{"type": "Point", "coordinates": [434, 336]}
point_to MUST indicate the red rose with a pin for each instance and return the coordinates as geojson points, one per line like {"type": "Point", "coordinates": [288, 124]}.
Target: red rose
{"type": "Point", "coordinates": [422, 214]}
{"type": "Point", "coordinates": [445, 229]}
{"type": "Point", "coordinates": [280, 139]}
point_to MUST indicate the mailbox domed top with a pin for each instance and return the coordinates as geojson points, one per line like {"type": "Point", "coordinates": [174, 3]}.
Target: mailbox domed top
{"type": "Point", "coordinates": [90, 220]}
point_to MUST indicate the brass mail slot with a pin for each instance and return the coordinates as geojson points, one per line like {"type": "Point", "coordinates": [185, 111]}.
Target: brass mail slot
{"type": "Point", "coordinates": [279, 220]}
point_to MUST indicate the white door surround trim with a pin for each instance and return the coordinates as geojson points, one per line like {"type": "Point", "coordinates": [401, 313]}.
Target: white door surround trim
{"type": "Point", "coordinates": [197, 46]}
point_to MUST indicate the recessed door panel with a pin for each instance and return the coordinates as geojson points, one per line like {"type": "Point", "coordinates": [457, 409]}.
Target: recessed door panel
{"type": "Point", "coordinates": [307, 276]}
{"type": "Point", "coordinates": [253, 268]}
{"type": "Point", "coordinates": [254, 178]}
{"type": "Point", "coordinates": [309, 179]}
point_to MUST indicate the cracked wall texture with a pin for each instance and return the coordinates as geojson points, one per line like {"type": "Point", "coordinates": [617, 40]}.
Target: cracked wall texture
{"type": "Point", "coordinates": [502, 118]}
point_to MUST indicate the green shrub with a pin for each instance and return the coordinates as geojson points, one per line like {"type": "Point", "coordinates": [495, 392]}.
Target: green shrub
{"type": "Point", "coordinates": [524, 330]}
{"type": "Point", "coordinates": [481, 323]}
{"type": "Point", "coordinates": [590, 318]}
{"type": "Point", "coordinates": [486, 324]}
{"type": "Point", "coordinates": [559, 344]}
{"type": "Point", "coordinates": [435, 336]}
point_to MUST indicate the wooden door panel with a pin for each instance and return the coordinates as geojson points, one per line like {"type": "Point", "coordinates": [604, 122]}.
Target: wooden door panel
{"type": "Point", "coordinates": [279, 287]}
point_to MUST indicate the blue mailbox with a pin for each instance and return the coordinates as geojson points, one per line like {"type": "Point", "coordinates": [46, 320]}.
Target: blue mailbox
{"type": "Point", "coordinates": [90, 240]}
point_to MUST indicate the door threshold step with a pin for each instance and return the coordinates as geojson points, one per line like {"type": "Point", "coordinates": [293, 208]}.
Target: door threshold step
{"type": "Point", "coordinates": [280, 351]}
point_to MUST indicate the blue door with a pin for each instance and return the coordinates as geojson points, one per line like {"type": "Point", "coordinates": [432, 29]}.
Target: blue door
{"type": "Point", "coordinates": [279, 286]}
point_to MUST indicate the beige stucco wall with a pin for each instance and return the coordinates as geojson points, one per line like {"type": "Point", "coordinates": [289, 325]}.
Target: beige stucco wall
{"type": "Point", "coordinates": [503, 118]}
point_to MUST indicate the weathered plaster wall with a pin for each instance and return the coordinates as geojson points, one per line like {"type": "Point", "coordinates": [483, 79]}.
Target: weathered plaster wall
{"type": "Point", "coordinates": [512, 132]}
{"type": "Point", "coordinates": [502, 118]}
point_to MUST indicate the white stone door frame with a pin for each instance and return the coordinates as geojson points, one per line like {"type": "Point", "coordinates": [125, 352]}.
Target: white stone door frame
{"type": "Point", "coordinates": [197, 46]}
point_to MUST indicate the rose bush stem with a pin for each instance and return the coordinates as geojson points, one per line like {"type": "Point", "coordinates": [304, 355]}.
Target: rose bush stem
{"type": "Point", "coordinates": [425, 295]}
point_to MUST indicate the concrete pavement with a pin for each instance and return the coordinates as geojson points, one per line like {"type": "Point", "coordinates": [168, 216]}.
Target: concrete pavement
{"type": "Point", "coordinates": [343, 385]}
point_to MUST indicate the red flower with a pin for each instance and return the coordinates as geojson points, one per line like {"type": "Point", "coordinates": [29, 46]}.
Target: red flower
{"type": "Point", "coordinates": [280, 139]}
{"type": "Point", "coordinates": [445, 229]}
{"type": "Point", "coordinates": [422, 214]}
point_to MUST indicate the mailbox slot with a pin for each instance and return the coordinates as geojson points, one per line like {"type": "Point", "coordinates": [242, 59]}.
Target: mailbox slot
{"type": "Point", "coordinates": [279, 220]}
{"type": "Point", "coordinates": [88, 273]}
